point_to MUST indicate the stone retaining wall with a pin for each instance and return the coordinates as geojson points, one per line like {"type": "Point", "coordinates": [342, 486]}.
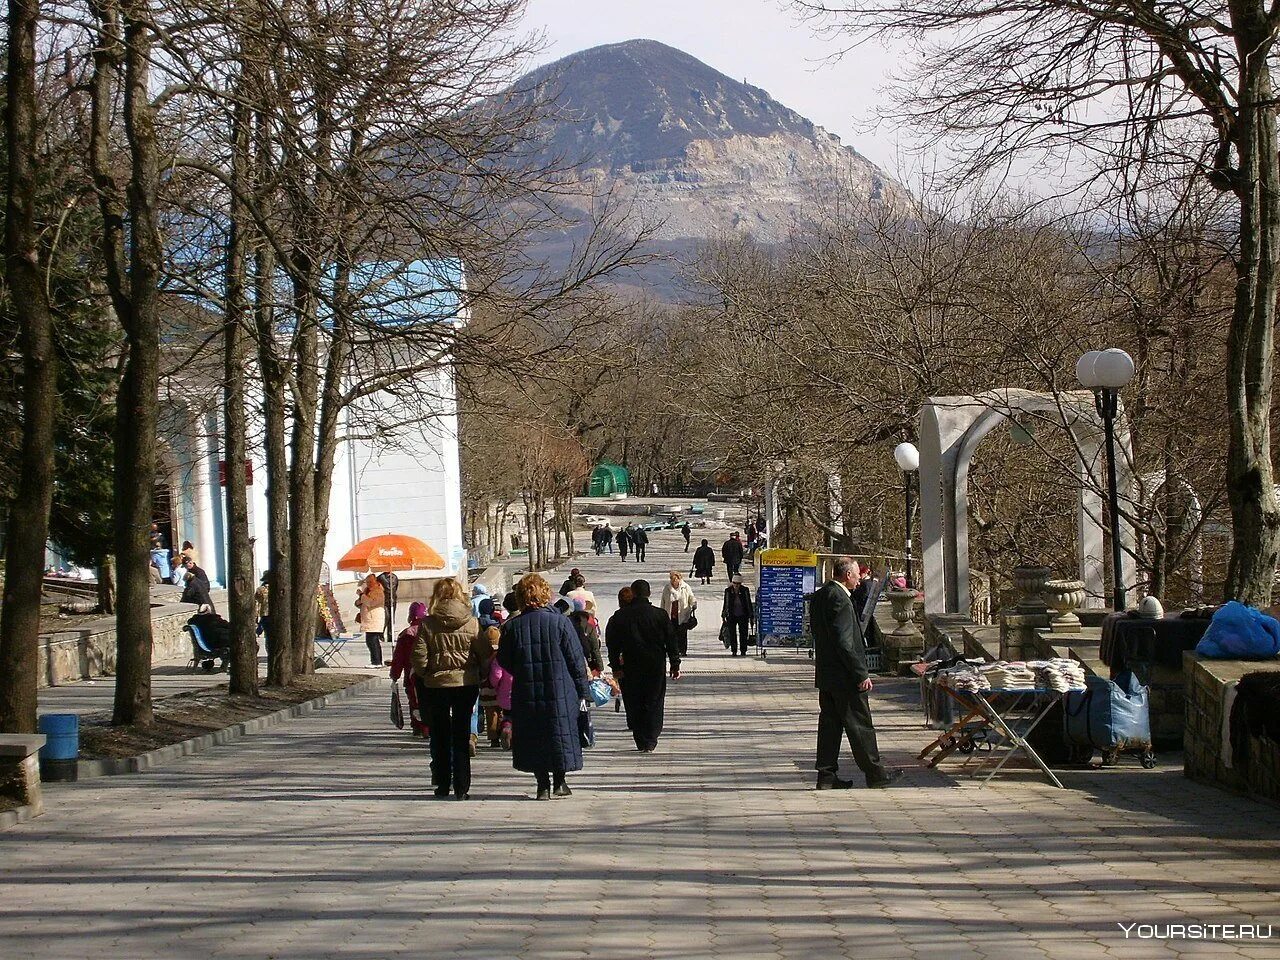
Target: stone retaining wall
{"type": "Point", "coordinates": [90, 651]}
{"type": "Point", "coordinates": [1207, 682]}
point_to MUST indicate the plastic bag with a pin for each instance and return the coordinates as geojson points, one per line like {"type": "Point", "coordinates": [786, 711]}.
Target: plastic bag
{"type": "Point", "coordinates": [1238, 632]}
{"type": "Point", "coordinates": [601, 692]}
{"type": "Point", "coordinates": [1109, 714]}
{"type": "Point", "coordinates": [397, 708]}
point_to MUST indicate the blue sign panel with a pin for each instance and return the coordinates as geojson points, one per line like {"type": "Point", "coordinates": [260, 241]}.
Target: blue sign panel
{"type": "Point", "coordinates": [780, 602]}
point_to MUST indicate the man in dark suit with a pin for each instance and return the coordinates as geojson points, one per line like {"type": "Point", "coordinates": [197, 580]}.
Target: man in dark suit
{"type": "Point", "coordinates": [732, 552]}
{"type": "Point", "coordinates": [640, 541]}
{"type": "Point", "coordinates": [843, 683]}
{"type": "Point", "coordinates": [641, 640]}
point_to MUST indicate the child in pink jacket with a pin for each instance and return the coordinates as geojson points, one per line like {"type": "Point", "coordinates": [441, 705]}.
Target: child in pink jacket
{"type": "Point", "coordinates": [501, 682]}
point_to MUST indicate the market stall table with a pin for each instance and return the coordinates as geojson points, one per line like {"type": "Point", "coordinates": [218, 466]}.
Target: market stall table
{"type": "Point", "coordinates": [1019, 712]}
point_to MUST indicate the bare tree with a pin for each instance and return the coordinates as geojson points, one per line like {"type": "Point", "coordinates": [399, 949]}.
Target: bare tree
{"type": "Point", "coordinates": [1130, 85]}
{"type": "Point", "coordinates": [25, 273]}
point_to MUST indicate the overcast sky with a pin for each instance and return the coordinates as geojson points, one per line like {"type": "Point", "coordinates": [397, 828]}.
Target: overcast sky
{"type": "Point", "coordinates": [752, 40]}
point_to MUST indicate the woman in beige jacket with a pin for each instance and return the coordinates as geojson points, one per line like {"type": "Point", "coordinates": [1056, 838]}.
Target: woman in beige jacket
{"type": "Point", "coordinates": [449, 656]}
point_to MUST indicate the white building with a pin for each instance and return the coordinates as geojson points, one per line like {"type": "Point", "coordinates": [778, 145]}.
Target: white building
{"type": "Point", "coordinates": [403, 478]}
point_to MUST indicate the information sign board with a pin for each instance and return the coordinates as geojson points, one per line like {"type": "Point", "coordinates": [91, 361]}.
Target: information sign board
{"type": "Point", "coordinates": [786, 576]}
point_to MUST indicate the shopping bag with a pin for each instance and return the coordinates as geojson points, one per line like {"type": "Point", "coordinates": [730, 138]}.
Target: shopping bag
{"type": "Point", "coordinates": [586, 729]}
{"type": "Point", "coordinates": [726, 634]}
{"type": "Point", "coordinates": [397, 708]}
{"type": "Point", "coordinates": [601, 692]}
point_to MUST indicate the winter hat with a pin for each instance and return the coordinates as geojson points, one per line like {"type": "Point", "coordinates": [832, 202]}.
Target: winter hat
{"type": "Point", "coordinates": [417, 610]}
{"type": "Point", "coordinates": [737, 578]}
{"type": "Point", "coordinates": [579, 604]}
{"type": "Point", "coordinates": [486, 607]}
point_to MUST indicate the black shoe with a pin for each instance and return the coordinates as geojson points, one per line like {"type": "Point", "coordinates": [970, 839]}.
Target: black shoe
{"type": "Point", "coordinates": [891, 776]}
{"type": "Point", "coordinates": [462, 796]}
{"type": "Point", "coordinates": [544, 793]}
{"type": "Point", "coordinates": [442, 792]}
{"type": "Point", "coordinates": [833, 783]}
{"type": "Point", "coordinates": [562, 790]}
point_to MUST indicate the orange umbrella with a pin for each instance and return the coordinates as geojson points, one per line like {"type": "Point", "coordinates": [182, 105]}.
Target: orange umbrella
{"type": "Point", "coordinates": [391, 551]}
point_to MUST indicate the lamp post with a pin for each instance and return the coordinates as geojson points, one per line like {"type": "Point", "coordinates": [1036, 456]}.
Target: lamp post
{"type": "Point", "coordinates": [1106, 372]}
{"type": "Point", "coordinates": [908, 459]}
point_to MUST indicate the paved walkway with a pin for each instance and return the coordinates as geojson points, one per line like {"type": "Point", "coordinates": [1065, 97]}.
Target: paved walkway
{"type": "Point", "coordinates": [318, 839]}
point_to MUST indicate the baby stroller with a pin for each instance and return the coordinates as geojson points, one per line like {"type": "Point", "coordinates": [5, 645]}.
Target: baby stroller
{"type": "Point", "coordinates": [210, 640]}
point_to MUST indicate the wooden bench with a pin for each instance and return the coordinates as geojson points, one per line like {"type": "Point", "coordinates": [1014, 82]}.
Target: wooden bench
{"type": "Point", "coordinates": [20, 769]}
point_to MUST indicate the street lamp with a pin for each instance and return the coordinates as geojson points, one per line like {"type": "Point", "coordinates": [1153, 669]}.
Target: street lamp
{"type": "Point", "coordinates": [1106, 372]}
{"type": "Point", "coordinates": [908, 459]}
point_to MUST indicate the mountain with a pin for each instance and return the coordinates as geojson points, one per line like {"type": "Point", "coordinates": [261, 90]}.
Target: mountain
{"type": "Point", "coordinates": [693, 148]}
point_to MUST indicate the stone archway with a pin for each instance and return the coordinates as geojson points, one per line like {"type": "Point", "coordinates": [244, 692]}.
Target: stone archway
{"type": "Point", "coordinates": [1150, 485]}
{"type": "Point", "coordinates": [950, 431]}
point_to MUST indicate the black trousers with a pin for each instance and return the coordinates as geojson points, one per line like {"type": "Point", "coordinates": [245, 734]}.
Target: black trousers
{"type": "Point", "coordinates": [682, 636]}
{"type": "Point", "coordinates": [847, 713]}
{"type": "Point", "coordinates": [645, 701]}
{"type": "Point", "coordinates": [686, 544]}
{"type": "Point", "coordinates": [374, 642]}
{"type": "Point", "coordinates": [544, 778]}
{"type": "Point", "coordinates": [734, 568]}
{"type": "Point", "coordinates": [738, 631]}
{"type": "Point", "coordinates": [640, 549]}
{"type": "Point", "coordinates": [449, 717]}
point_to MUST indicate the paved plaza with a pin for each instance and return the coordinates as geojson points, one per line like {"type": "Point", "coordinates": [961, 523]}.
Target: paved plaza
{"type": "Point", "coordinates": [320, 839]}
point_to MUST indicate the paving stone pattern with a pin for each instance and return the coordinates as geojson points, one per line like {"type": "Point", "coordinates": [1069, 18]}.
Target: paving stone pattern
{"type": "Point", "coordinates": [319, 839]}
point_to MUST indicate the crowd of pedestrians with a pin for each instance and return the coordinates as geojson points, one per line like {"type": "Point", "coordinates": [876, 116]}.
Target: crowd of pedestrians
{"type": "Point", "coordinates": [532, 668]}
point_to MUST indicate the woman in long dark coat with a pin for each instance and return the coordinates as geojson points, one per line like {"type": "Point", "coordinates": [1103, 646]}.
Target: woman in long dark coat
{"type": "Point", "coordinates": [540, 649]}
{"type": "Point", "coordinates": [704, 561]}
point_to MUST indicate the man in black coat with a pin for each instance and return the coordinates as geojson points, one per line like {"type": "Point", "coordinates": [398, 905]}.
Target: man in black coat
{"type": "Point", "coordinates": [624, 544]}
{"type": "Point", "coordinates": [704, 561]}
{"type": "Point", "coordinates": [732, 552]}
{"type": "Point", "coordinates": [737, 612]}
{"type": "Point", "coordinates": [686, 532]}
{"type": "Point", "coordinates": [843, 683]}
{"type": "Point", "coordinates": [641, 641]}
{"type": "Point", "coordinates": [639, 540]}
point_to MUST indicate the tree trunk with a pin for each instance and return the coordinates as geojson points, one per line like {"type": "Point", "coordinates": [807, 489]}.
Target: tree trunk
{"type": "Point", "coordinates": [1255, 518]}
{"type": "Point", "coordinates": [138, 399]}
{"type": "Point", "coordinates": [244, 643]}
{"type": "Point", "coordinates": [28, 526]}
{"type": "Point", "coordinates": [274, 408]}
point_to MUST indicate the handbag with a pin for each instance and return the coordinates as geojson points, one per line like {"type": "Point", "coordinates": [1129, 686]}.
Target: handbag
{"type": "Point", "coordinates": [397, 708]}
{"type": "Point", "coordinates": [691, 622]}
{"type": "Point", "coordinates": [726, 634]}
{"type": "Point", "coordinates": [586, 729]}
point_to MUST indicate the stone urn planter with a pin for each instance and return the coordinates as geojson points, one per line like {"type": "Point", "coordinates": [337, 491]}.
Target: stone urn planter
{"type": "Point", "coordinates": [1064, 597]}
{"type": "Point", "coordinates": [905, 642]}
{"type": "Point", "coordinates": [1029, 582]}
{"type": "Point", "coordinates": [903, 603]}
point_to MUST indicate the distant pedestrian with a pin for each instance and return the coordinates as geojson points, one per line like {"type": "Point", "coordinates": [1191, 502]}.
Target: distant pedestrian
{"type": "Point", "coordinates": [542, 652]}
{"type": "Point", "coordinates": [588, 630]}
{"type": "Point", "coordinates": [680, 604]}
{"type": "Point", "coordinates": [490, 709]}
{"type": "Point", "coordinates": [371, 601]}
{"type": "Point", "coordinates": [640, 541]}
{"type": "Point", "coordinates": [843, 683]}
{"type": "Point", "coordinates": [686, 532]}
{"type": "Point", "coordinates": [262, 607]}
{"type": "Point", "coordinates": [568, 581]}
{"type": "Point", "coordinates": [606, 534]}
{"type": "Point", "coordinates": [704, 561]}
{"type": "Point", "coordinates": [732, 552]}
{"type": "Point", "coordinates": [597, 540]}
{"type": "Point", "coordinates": [402, 669]}
{"type": "Point", "coordinates": [737, 613]}
{"type": "Point", "coordinates": [641, 641]}
{"type": "Point", "coordinates": [196, 588]}
{"type": "Point", "coordinates": [450, 655]}
{"type": "Point", "coordinates": [624, 544]}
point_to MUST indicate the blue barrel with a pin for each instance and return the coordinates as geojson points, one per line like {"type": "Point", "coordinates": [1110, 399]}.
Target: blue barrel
{"type": "Point", "coordinates": [61, 747]}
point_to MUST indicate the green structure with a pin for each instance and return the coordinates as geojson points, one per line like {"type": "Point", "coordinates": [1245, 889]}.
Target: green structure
{"type": "Point", "coordinates": [608, 479]}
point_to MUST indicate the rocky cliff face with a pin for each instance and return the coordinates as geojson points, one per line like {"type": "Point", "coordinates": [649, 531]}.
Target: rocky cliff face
{"type": "Point", "coordinates": [699, 151]}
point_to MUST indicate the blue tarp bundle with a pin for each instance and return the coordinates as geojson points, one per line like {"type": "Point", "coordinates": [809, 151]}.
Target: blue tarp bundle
{"type": "Point", "coordinates": [1238, 632]}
